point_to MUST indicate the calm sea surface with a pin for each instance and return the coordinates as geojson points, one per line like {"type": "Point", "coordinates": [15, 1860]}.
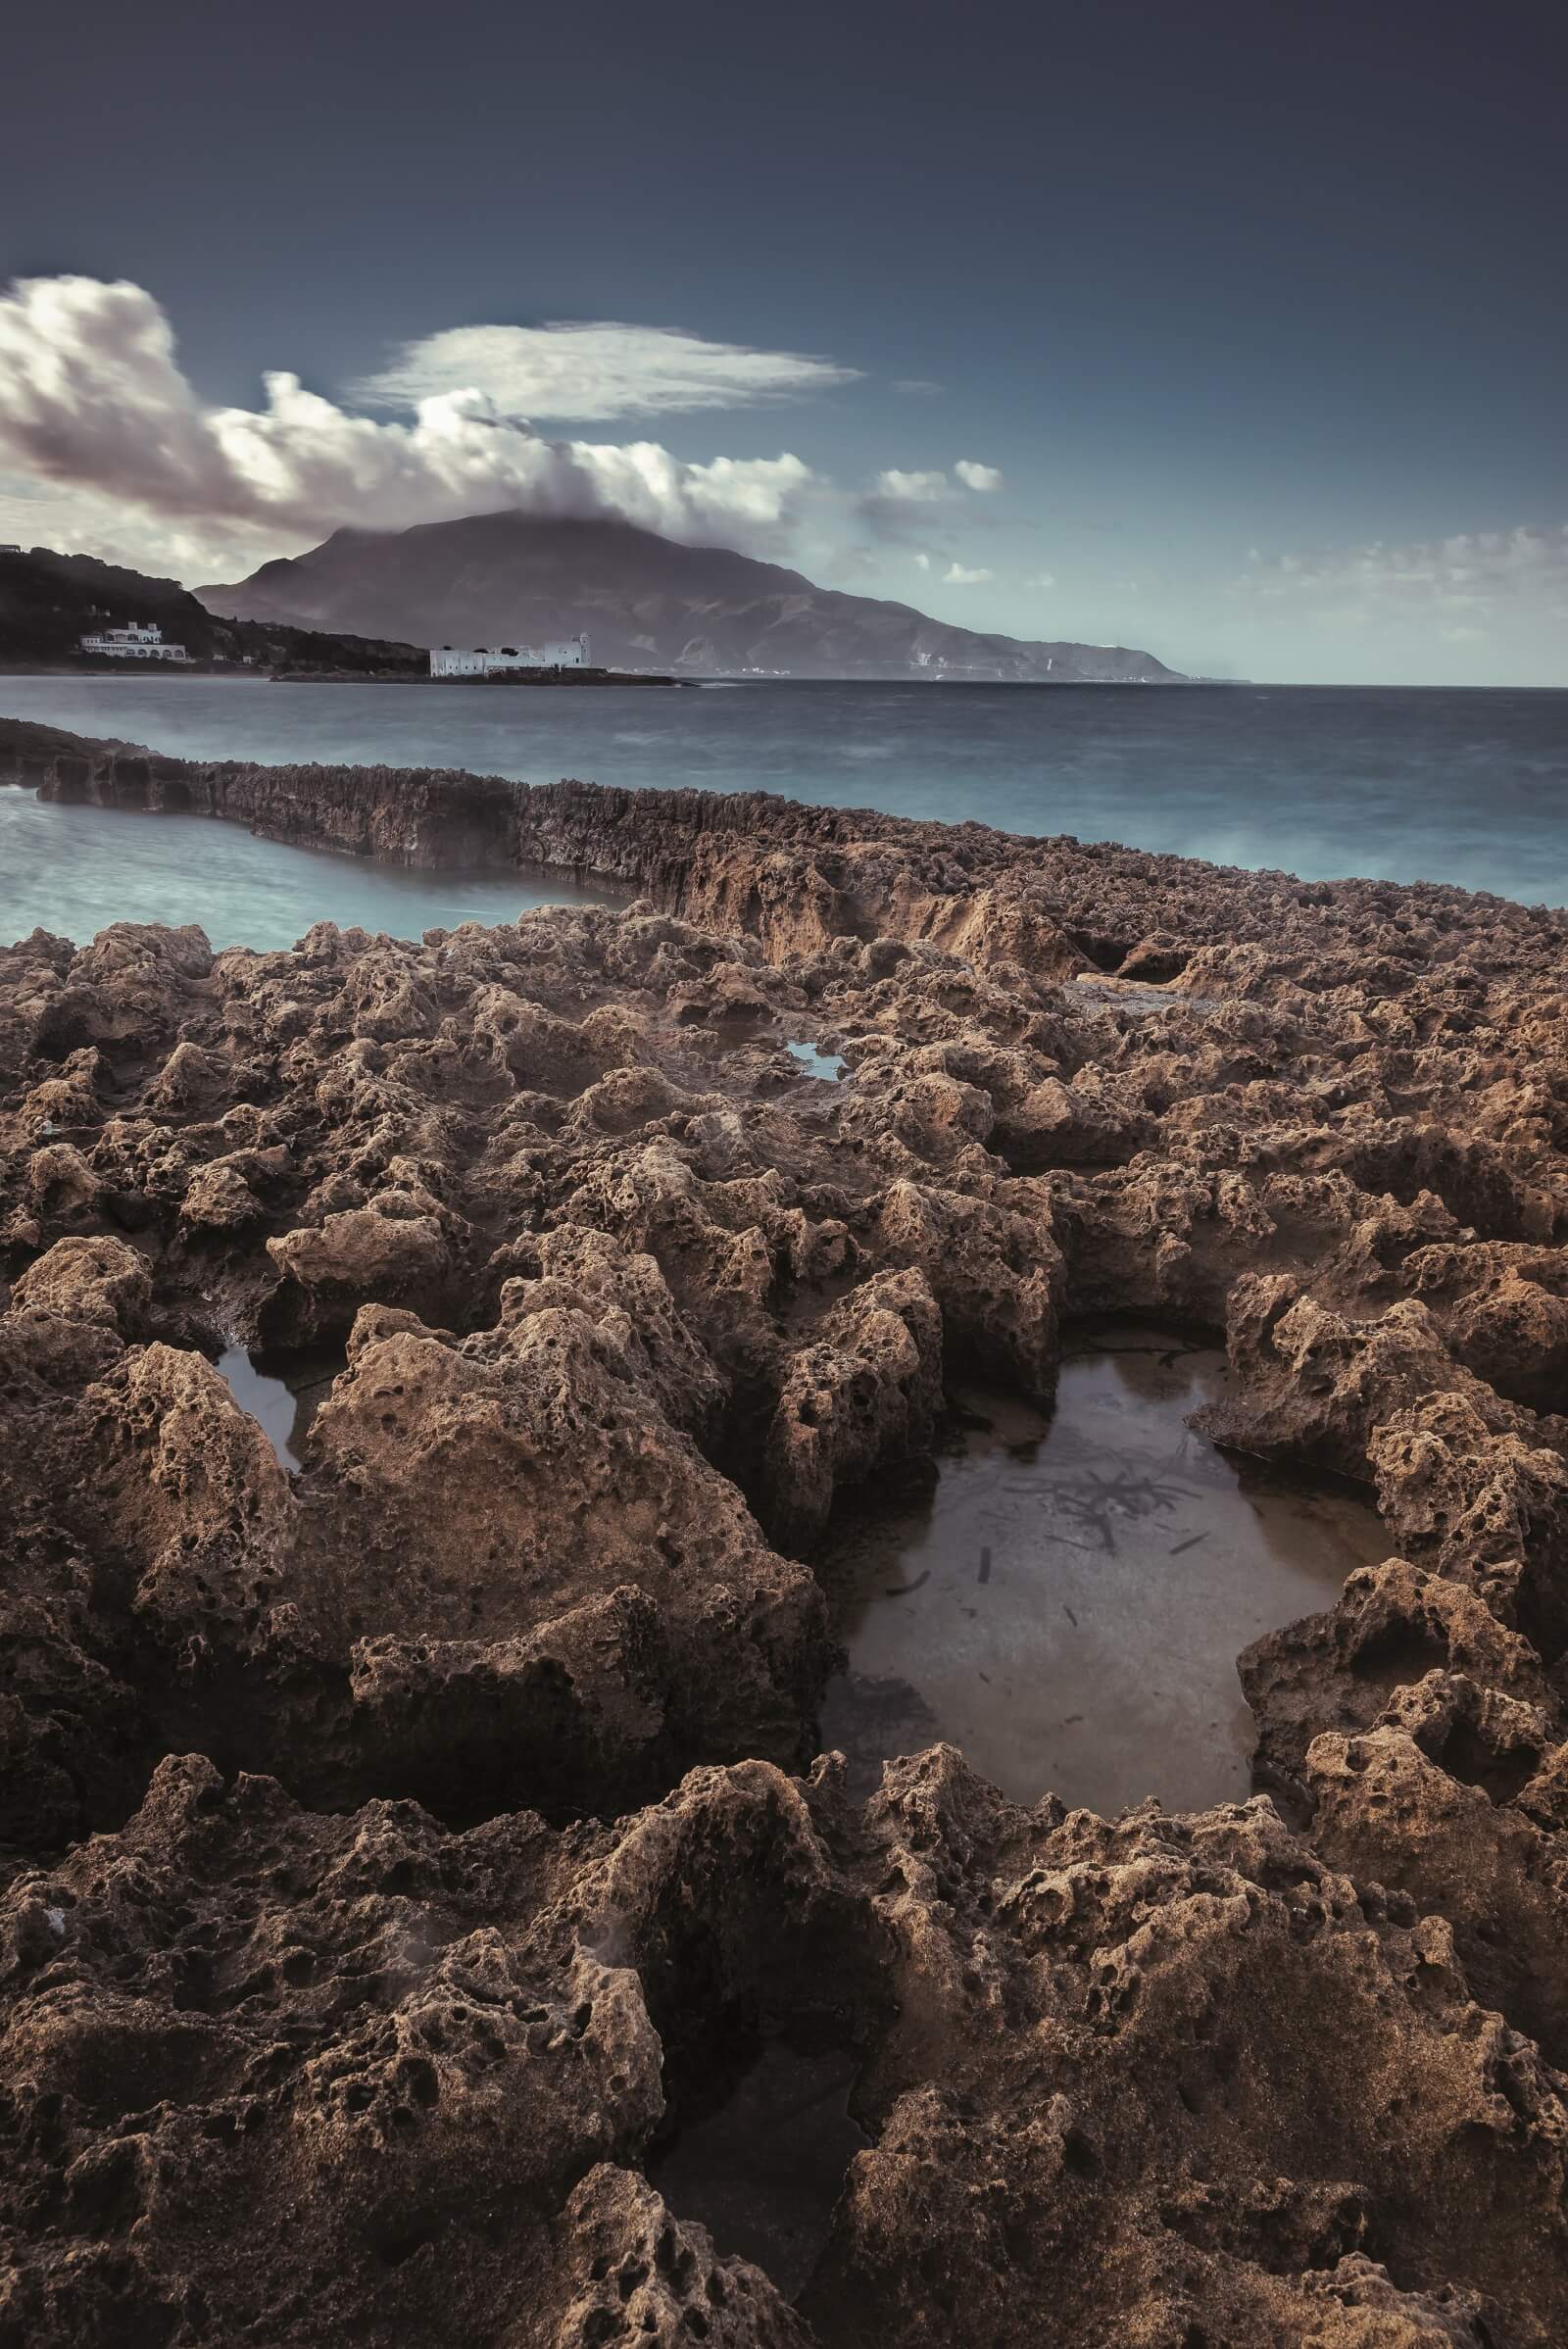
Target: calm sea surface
{"type": "Point", "coordinates": [1323, 781]}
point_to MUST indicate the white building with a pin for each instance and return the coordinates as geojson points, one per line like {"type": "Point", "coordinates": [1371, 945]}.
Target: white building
{"type": "Point", "coordinates": [141, 641]}
{"type": "Point", "coordinates": [482, 661]}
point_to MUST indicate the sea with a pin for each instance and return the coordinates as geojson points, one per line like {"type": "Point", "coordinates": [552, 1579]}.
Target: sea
{"type": "Point", "coordinates": [1403, 784]}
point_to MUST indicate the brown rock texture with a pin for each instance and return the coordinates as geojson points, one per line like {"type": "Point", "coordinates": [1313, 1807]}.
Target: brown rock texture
{"type": "Point", "coordinates": [407, 1853]}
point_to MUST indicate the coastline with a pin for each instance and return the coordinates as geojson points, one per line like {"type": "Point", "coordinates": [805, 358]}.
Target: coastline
{"type": "Point", "coordinates": [216, 672]}
{"type": "Point", "coordinates": [888, 869]}
{"type": "Point", "coordinates": [1261, 780]}
{"type": "Point", "coordinates": [472, 1771]}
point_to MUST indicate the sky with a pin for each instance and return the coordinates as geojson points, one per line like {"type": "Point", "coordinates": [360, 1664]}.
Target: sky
{"type": "Point", "coordinates": [1234, 332]}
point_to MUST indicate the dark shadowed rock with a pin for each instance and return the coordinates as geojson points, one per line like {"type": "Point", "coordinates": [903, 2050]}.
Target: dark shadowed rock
{"type": "Point", "coordinates": [414, 1879]}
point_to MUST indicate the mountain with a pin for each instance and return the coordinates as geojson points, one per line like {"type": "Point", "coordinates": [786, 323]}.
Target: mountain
{"type": "Point", "coordinates": [645, 602]}
{"type": "Point", "coordinates": [48, 602]}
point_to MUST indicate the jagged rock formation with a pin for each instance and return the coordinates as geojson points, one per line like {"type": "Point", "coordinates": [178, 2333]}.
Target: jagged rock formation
{"type": "Point", "coordinates": [406, 1854]}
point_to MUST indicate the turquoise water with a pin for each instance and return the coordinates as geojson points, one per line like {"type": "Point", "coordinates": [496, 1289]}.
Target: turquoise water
{"type": "Point", "coordinates": [73, 870]}
{"type": "Point", "coordinates": [1403, 784]}
{"type": "Point", "coordinates": [829, 1066]}
{"type": "Point", "coordinates": [1398, 784]}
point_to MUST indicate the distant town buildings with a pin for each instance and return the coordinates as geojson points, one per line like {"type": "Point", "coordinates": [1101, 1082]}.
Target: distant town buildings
{"type": "Point", "coordinates": [6, 548]}
{"type": "Point", "coordinates": [483, 662]}
{"type": "Point", "coordinates": [141, 641]}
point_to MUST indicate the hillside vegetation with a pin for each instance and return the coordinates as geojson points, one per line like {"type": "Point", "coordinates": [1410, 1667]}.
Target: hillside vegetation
{"type": "Point", "coordinates": [48, 602]}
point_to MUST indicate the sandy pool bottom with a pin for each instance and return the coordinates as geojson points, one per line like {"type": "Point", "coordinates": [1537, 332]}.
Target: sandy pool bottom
{"type": "Point", "coordinates": [1066, 1599]}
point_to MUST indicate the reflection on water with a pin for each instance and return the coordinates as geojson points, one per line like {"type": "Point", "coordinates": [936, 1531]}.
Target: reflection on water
{"type": "Point", "coordinates": [280, 1392]}
{"type": "Point", "coordinates": [816, 1063]}
{"type": "Point", "coordinates": [763, 2169]}
{"type": "Point", "coordinates": [73, 870]}
{"type": "Point", "coordinates": [1067, 1599]}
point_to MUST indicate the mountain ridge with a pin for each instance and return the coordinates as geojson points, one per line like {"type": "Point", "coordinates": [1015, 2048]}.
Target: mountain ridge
{"type": "Point", "coordinates": [644, 600]}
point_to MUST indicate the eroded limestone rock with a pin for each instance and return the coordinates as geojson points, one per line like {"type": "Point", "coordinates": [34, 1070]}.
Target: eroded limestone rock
{"type": "Point", "coordinates": [365, 1942]}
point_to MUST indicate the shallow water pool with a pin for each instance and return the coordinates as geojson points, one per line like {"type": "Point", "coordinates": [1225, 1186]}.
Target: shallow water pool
{"type": "Point", "coordinates": [75, 869]}
{"type": "Point", "coordinates": [815, 1063]}
{"type": "Point", "coordinates": [280, 1392]}
{"type": "Point", "coordinates": [1066, 1597]}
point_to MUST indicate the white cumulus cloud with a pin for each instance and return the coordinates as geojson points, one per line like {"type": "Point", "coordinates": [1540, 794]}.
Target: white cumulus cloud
{"type": "Point", "coordinates": [933, 488]}
{"type": "Point", "coordinates": [1454, 581]}
{"type": "Point", "coordinates": [958, 574]}
{"type": "Point", "coordinates": [898, 501]}
{"type": "Point", "coordinates": [594, 370]}
{"type": "Point", "coordinates": [93, 402]}
{"type": "Point", "coordinates": [912, 489]}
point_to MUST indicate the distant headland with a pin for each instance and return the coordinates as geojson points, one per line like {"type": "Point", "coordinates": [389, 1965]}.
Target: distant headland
{"type": "Point", "coordinates": [650, 602]}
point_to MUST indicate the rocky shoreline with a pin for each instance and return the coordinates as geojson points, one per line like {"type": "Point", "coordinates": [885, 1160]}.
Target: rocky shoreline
{"type": "Point", "coordinates": [405, 1854]}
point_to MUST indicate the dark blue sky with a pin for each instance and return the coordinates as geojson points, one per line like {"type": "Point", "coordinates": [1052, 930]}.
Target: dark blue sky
{"type": "Point", "coordinates": [1230, 294]}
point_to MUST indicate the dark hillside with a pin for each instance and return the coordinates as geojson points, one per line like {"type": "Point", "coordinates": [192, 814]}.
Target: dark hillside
{"type": "Point", "coordinates": [49, 600]}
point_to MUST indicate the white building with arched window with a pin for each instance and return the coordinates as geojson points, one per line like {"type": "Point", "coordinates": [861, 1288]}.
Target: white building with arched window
{"type": "Point", "coordinates": [141, 641]}
{"type": "Point", "coordinates": [484, 661]}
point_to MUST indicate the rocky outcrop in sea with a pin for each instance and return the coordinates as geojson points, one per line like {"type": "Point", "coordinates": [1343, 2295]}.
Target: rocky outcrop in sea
{"type": "Point", "coordinates": [407, 1856]}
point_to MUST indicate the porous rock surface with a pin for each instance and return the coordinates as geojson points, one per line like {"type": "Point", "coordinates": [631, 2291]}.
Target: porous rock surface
{"type": "Point", "coordinates": [402, 1852]}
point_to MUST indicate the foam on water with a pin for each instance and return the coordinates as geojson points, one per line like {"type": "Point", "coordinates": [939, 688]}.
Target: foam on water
{"type": "Point", "coordinates": [1390, 782]}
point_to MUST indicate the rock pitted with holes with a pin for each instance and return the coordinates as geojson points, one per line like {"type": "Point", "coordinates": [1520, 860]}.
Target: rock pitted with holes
{"type": "Point", "coordinates": [402, 1852]}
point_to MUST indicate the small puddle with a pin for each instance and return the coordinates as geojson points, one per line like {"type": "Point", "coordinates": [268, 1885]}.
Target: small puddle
{"type": "Point", "coordinates": [763, 2171]}
{"type": "Point", "coordinates": [737, 1030]}
{"type": "Point", "coordinates": [280, 1392]}
{"type": "Point", "coordinates": [1141, 995]}
{"type": "Point", "coordinates": [1067, 1599]}
{"type": "Point", "coordinates": [816, 1063]}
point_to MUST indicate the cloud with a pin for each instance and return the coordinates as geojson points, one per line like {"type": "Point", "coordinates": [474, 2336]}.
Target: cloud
{"type": "Point", "coordinates": [1453, 584]}
{"type": "Point", "coordinates": [595, 371]}
{"type": "Point", "coordinates": [923, 561]}
{"type": "Point", "coordinates": [956, 576]}
{"type": "Point", "coordinates": [916, 388]}
{"type": "Point", "coordinates": [912, 489]}
{"type": "Point", "coordinates": [933, 488]}
{"type": "Point", "coordinates": [1041, 579]}
{"type": "Point", "coordinates": [890, 507]}
{"type": "Point", "coordinates": [846, 562]}
{"type": "Point", "coordinates": [93, 402]}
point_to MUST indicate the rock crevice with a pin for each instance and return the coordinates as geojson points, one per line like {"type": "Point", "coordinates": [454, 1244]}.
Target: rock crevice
{"type": "Point", "coordinates": [400, 1854]}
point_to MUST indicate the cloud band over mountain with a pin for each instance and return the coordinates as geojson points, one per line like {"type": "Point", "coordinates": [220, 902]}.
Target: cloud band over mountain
{"type": "Point", "coordinates": [93, 399]}
{"type": "Point", "coordinates": [595, 371]}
